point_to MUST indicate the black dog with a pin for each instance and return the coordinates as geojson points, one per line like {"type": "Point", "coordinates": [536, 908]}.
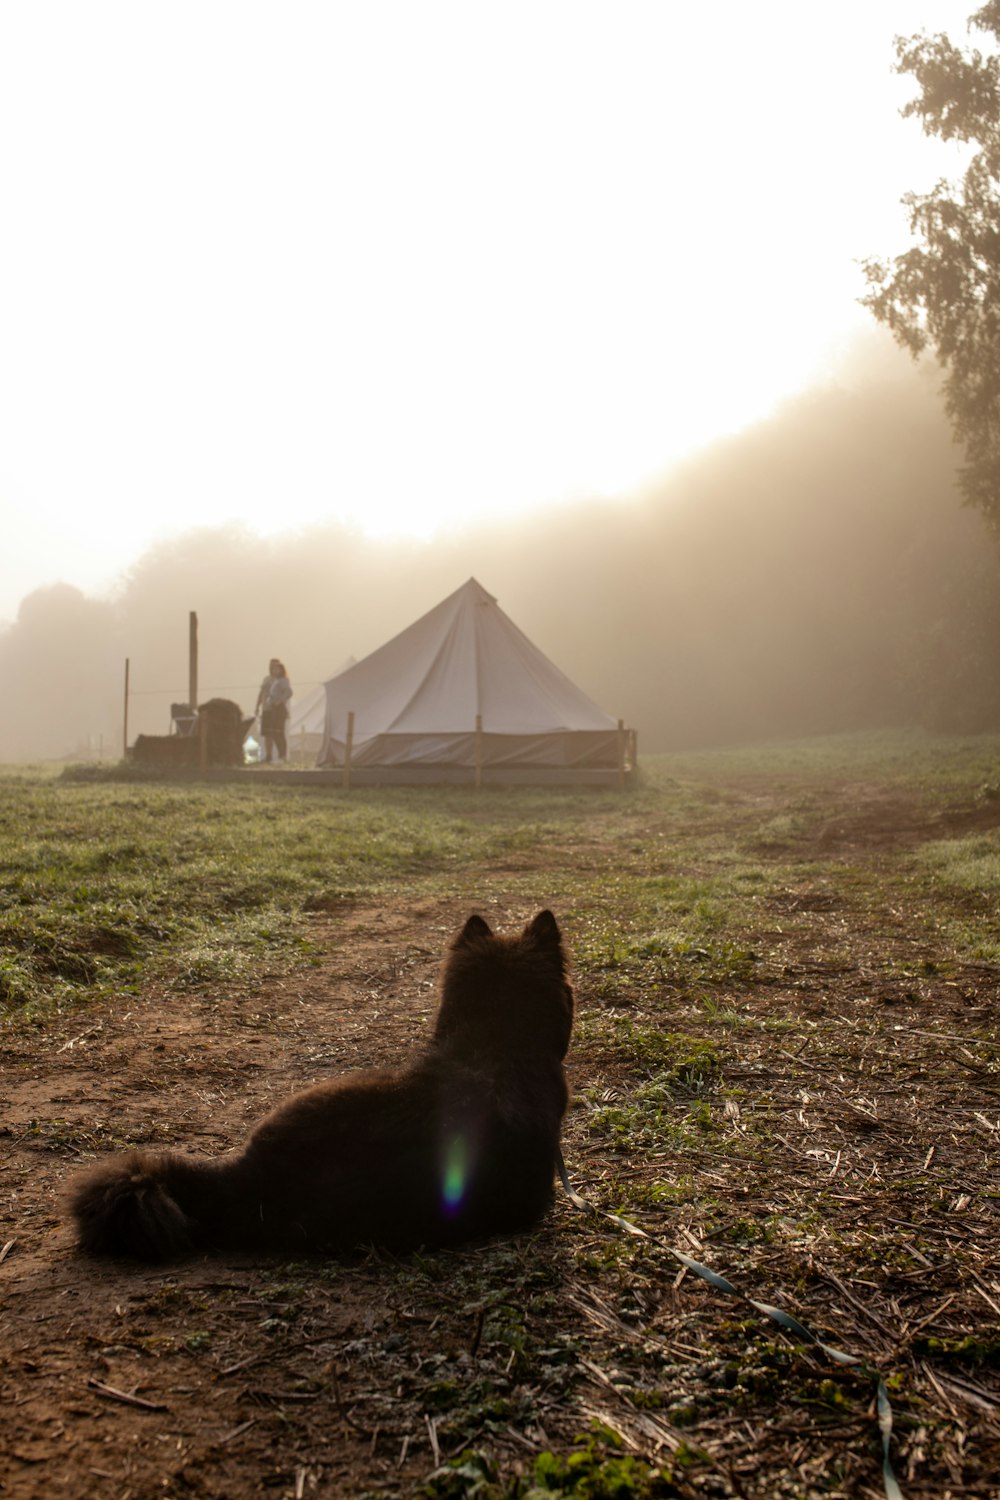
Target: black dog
{"type": "Point", "coordinates": [461, 1145]}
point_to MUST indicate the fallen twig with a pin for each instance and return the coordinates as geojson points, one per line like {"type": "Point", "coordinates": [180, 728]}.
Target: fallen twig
{"type": "Point", "coordinates": [68, 1046]}
{"type": "Point", "coordinates": [236, 1431]}
{"type": "Point", "coordinates": [112, 1393]}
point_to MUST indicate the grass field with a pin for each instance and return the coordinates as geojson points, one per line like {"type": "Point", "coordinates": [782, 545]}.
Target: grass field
{"type": "Point", "coordinates": [785, 1067]}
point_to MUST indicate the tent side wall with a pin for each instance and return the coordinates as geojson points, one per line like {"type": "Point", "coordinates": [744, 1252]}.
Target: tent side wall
{"type": "Point", "coordinates": [583, 749]}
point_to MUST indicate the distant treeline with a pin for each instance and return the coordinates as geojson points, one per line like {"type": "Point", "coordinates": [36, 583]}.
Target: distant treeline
{"type": "Point", "coordinates": [815, 574]}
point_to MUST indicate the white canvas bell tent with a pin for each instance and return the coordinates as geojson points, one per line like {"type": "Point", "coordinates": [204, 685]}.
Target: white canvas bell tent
{"type": "Point", "coordinates": [307, 721]}
{"type": "Point", "coordinates": [463, 695]}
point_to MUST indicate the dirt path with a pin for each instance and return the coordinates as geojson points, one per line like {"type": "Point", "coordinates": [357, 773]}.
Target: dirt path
{"type": "Point", "coordinates": [866, 1201]}
{"type": "Point", "coordinates": [194, 1348]}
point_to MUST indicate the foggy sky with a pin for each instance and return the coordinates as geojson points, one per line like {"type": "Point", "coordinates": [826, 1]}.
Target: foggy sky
{"type": "Point", "coordinates": [816, 573]}
{"type": "Point", "coordinates": [383, 262]}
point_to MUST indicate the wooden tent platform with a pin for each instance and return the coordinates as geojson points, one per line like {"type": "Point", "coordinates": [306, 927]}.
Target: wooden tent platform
{"type": "Point", "coordinates": [366, 776]}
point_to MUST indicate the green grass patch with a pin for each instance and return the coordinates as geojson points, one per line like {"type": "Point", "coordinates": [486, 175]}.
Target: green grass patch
{"type": "Point", "coordinates": [596, 1468]}
{"type": "Point", "coordinates": [973, 864]}
{"type": "Point", "coordinates": [109, 882]}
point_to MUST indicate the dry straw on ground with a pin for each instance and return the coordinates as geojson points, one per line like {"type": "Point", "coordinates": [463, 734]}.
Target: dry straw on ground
{"type": "Point", "coordinates": [818, 1123]}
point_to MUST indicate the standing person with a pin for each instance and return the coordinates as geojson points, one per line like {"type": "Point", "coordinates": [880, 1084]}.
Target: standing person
{"type": "Point", "coordinates": [272, 705]}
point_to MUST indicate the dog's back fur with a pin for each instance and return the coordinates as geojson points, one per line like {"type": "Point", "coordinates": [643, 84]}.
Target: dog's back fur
{"type": "Point", "coordinates": [461, 1145]}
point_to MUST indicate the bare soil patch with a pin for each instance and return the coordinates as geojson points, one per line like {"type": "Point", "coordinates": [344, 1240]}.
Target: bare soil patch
{"type": "Point", "coordinates": [838, 1159]}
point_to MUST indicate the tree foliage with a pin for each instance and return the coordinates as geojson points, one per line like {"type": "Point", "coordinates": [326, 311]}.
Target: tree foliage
{"type": "Point", "coordinates": [943, 294]}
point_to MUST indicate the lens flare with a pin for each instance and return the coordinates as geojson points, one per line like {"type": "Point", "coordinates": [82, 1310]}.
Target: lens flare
{"type": "Point", "coordinates": [455, 1174]}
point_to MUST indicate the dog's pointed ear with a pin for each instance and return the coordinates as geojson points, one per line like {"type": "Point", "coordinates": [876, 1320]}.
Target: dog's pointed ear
{"type": "Point", "coordinates": [545, 930]}
{"type": "Point", "coordinates": [474, 928]}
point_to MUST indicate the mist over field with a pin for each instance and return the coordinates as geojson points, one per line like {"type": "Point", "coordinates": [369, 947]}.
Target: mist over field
{"type": "Point", "coordinates": [814, 574]}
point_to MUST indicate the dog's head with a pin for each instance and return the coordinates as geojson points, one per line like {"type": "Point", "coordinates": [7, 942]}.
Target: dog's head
{"type": "Point", "coordinates": [508, 994]}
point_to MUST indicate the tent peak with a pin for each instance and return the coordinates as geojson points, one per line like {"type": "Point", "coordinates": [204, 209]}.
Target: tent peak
{"type": "Point", "coordinates": [473, 586]}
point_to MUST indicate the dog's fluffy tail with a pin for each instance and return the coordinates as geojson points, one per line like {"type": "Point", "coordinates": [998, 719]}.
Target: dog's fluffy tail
{"type": "Point", "coordinates": [141, 1205]}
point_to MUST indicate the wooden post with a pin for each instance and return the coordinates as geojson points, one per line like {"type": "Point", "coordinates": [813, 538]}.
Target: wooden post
{"type": "Point", "coordinates": [193, 659]}
{"type": "Point", "coordinates": [479, 750]}
{"type": "Point", "coordinates": [621, 752]}
{"type": "Point", "coordinates": [125, 730]}
{"type": "Point", "coordinates": [349, 746]}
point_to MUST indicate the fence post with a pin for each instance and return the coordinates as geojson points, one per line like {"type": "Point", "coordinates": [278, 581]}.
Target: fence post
{"type": "Point", "coordinates": [125, 730]}
{"type": "Point", "coordinates": [348, 748]}
{"type": "Point", "coordinates": [193, 660]}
